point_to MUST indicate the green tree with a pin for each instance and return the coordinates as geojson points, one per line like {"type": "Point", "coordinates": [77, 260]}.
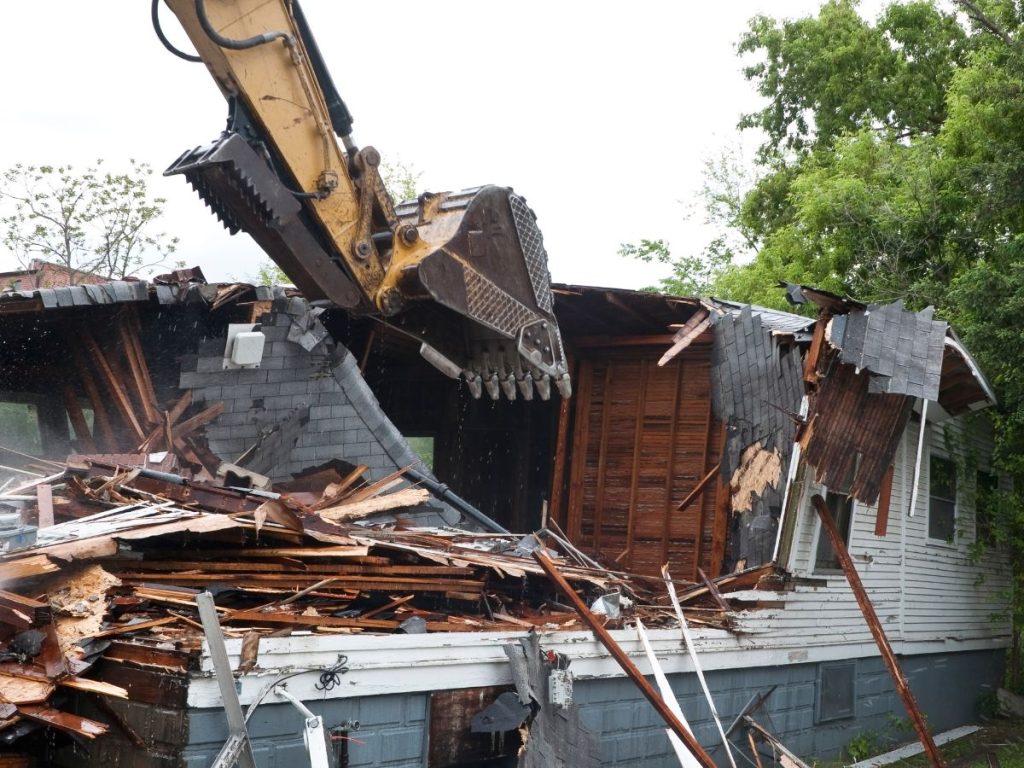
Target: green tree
{"type": "Point", "coordinates": [94, 221]}
{"type": "Point", "coordinates": [892, 165]}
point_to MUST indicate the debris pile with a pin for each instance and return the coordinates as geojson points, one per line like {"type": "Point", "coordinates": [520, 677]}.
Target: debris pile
{"type": "Point", "coordinates": [124, 546]}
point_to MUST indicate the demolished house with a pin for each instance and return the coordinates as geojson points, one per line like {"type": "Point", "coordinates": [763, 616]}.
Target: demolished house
{"type": "Point", "coordinates": [174, 439]}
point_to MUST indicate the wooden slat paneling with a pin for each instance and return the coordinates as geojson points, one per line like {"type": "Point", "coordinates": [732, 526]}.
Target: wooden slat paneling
{"type": "Point", "coordinates": [643, 438]}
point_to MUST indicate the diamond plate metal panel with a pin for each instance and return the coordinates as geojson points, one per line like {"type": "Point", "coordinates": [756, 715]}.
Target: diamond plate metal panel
{"type": "Point", "coordinates": [491, 306]}
{"type": "Point", "coordinates": [532, 242]}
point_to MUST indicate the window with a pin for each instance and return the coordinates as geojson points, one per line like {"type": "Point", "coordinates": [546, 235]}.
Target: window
{"type": "Point", "coordinates": [841, 508]}
{"type": "Point", "coordinates": [424, 448]}
{"type": "Point", "coordinates": [941, 499]}
{"type": "Point", "coordinates": [19, 425]}
{"type": "Point", "coordinates": [836, 690]}
{"type": "Point", "coordinates": [840, 505]}
{"type": "Point", "coordinates": [987, 483]}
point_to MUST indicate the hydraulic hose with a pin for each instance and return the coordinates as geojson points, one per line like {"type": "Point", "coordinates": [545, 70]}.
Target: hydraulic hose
{"type": "Point", "coordinates": [155, 14]}
{"type": "Point", "coordinates": [236, 45]}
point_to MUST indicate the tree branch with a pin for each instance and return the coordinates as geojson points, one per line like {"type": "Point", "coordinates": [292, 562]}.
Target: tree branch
{"type": "Point", "coordinates": [974, 12]}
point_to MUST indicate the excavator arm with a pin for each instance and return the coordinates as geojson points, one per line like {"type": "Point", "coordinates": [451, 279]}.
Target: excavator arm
{"type": "Point", "coordinates": [465, 273]}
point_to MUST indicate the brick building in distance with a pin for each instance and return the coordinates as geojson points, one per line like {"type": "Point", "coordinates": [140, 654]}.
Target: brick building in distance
{"type": "Point", "coordinates": [46, 274]}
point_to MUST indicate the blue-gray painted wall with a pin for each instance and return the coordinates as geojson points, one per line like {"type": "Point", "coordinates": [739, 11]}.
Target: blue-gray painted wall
{"type": "Point", "coordinates": [393, 728]}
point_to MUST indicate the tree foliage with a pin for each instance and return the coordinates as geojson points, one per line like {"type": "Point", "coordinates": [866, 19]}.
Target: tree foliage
{"type": "Point", "coordinates": [892, 165]}
{"type": "Point", "coordinates": [94, 221]}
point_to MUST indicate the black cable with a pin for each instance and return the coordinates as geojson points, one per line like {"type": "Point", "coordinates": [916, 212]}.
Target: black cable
{"type": "Point", "coordinates": [163, 39]}
{"type": "Point", "coordinates": [331, 676]}
{"type": "Point", "coordinates": [236, 45]}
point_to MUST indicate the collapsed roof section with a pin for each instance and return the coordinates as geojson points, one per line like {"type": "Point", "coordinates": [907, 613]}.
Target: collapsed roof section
{"type": "Point", "coordinates": [860, 368]}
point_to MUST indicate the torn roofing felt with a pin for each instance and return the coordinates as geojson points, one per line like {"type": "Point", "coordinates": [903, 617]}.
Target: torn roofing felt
{"type": "Point", "coordinates": [852, 431]}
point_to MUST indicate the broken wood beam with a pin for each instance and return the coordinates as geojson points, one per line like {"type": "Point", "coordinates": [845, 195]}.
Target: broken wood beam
{"type": "Point", "coordinates": [101, 419]}
{"type": "Point", "coordinates": [23, 612]}
{"type": "Point", "coordinates": [204, 417]}
{"type": "Point", "coordinates": [687, 335]}
{"type": "Point", "coordinates": [138, 370]}
{"type": "Point", "coordinates": [110, 378]}
{"type": "Point", "coordinates": [888, 655]}
{"type": "Point", "coordinates": [624, 661]}
{"type": "Point", "coordinates": [83, 436]}
{"type": "Point", "coordinates": [44, 502]}
{"type": "Point", "coordinates": [692, 495]}
{"type": "Point", "coordinates": [715, 594]}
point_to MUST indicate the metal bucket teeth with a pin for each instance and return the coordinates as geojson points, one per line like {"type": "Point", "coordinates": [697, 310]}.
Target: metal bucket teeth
{"type": "Point", "coordinates": [236, 183]}
{"type": "Point", "coordinates": [242, 189]}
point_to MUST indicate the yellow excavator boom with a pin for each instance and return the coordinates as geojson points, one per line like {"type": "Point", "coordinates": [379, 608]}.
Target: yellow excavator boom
{"type": "Point", "coordinates": [465, 273]}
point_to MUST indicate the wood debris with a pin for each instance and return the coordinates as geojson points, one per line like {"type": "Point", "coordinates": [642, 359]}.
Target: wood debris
{"type": "Point", "coordinates": [104, 601]}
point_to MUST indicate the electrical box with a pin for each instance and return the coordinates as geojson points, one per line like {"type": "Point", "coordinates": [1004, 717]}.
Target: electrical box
{"type": "Point", "coordinates": [560, 688]}
{"type": "Point", "coordinates": [244, 347]}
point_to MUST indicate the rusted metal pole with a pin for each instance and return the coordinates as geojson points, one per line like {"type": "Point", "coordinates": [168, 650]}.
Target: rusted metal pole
{"type": "Point", "coordinates": [624, 661]}
{"type": "Point", "coordinates": [888, 656]}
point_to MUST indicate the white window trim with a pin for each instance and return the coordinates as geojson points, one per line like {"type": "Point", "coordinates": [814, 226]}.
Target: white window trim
{"type": "Point", "coordinates": [812, 556]}
{"type": "Point", "coordinates": [929, 539]}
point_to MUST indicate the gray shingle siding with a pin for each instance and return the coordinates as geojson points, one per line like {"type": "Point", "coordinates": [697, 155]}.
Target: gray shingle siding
{"type": "Point", "coordinates": [345, 419]}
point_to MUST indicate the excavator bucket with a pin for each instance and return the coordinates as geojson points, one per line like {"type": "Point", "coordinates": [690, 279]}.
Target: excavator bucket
{"type": "Point", "coordinates": [471, 284]}
{"type": "Point", "coordinates": [483, 258]}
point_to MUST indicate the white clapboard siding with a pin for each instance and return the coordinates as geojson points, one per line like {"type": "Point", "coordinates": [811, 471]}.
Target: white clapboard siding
{"type": "Point", "coordinates": [923, 592]}
{"type": "Point", "coordinates": [947, 593]}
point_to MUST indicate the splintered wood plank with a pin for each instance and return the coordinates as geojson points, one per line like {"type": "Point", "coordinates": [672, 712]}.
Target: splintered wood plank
{"type": "Point", "coordinates": [407, 497]}
{"type": "Point", "coordinates": [23, 612]}
{"type": "Point", "coordinates": [94, 686]}
{"type": "Point", "coordinates": [23, 567]}
{"type": "Point", "coordinates": [204, 417]}
{"type": "Point", "coordinates": [120, 397]}
{"type": "Point", "coordinates": [170, 418]}
{"type": "Point", "coordinates": [98, 402]}
{"type": "Point", "coordinates": [144, 394]}
{"type": "Point", "coordinates": [44, 502]}
{"type": "Point", "coordinates": [63, 721]}
{"type": "Point", "coordinates": [83, 437]}
{"type": "Point", "coordinates": [136, 627]}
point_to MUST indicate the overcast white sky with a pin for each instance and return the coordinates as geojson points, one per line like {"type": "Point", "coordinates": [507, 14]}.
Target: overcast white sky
{"type": "Point", "coordinates": [601, 114]}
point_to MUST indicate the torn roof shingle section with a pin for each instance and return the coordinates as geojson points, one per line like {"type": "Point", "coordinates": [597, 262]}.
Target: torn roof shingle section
{"type": "Point", "coordinates": [756, 388]}
{"type": "Point", "coordinates": [117, 292]}
{"type": "Point", "coordinates": [773, 319]}
{"type": "Point", "coordinates": [121, 292]}
{"type": "Point", "coordinates": [903, 350]}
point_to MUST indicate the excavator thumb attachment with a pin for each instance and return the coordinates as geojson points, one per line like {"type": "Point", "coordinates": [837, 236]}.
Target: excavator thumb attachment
{"type": "Point", "coordinates": [243, 191]}
{"type": "Point", "coordinates": [482, 257]}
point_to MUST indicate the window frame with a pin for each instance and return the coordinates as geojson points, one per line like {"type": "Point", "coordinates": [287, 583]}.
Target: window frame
{"type": "Point", "coordinates": [934, 456]}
